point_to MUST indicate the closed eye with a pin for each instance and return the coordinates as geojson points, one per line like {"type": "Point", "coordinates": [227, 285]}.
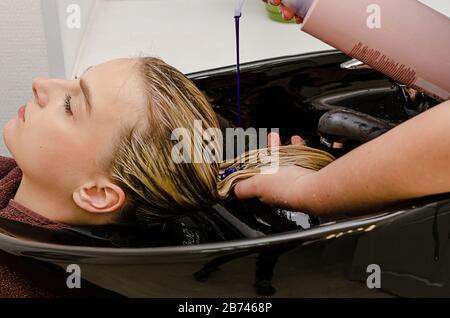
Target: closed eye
{"type": "Point", "coordinates": [67, 104]}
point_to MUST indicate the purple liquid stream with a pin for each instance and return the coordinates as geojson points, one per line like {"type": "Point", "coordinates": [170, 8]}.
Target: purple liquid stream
{"type": "Point", "coordinates": [238, 72]}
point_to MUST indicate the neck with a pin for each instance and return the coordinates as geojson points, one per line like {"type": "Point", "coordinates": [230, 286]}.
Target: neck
{"type": "Point", "coordinates": [56, 205]}
{"type": "Point", "coordinates": [51, 203]}
{"type": "Point", "coordinates": [44, 202]}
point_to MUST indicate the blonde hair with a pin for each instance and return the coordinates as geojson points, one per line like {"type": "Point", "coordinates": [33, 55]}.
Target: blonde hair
{"type": "Point", "coordinates": [156, 187]}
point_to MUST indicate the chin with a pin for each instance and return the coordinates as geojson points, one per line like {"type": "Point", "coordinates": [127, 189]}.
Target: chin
{"type": "Point", "coordinates": [7, 130]}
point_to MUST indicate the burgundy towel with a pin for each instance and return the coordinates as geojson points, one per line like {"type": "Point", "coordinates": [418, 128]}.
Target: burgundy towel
{"type": "Point", "coordinates": [10, 176]}
{"type": "Point", "coordinates": [23, 277]}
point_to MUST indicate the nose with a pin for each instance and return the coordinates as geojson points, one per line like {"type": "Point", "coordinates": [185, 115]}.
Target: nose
{"type": "Point", "coordinates": [40, 90]}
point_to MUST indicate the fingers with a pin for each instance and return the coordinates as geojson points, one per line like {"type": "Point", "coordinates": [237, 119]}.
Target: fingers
{"type": "Point", "coordinates": [287, 13]}
{"type": "Point", "coordinates": [264, 187]}
{"type": "Point", "coordinates": [277, 189]}
{"type": "Point", "coordinates": [273, 140]}
{"type": "Point", "coordinates": [297, 140]}
{"type": "Point", "coordinates": [298, 20]}
{"type": "Point", "coordinates": [247, 189]}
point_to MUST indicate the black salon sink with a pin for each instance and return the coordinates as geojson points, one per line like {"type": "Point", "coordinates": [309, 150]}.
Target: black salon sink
{"type": "Point", "coordinates": [245, 248]}
{"type": "Point", "coordinates": [385, 101]}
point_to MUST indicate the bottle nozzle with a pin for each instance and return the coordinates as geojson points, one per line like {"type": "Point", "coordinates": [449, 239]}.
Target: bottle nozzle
{"type": "Point", "coordinates": [238, 8]}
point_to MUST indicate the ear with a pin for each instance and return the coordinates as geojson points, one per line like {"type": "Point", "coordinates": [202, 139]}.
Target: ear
{"type": "Point", "coordinates": [100, 196]}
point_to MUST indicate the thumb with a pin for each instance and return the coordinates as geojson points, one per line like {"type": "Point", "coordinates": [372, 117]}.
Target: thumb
{"type": "Point", "coordinates": [246, 189]}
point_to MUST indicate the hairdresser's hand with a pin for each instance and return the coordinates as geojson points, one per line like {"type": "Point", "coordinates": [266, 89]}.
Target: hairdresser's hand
{"type": "Point", "coordinates": [281, 188]}
{"type": "Point", "coordinates": [287, 13]}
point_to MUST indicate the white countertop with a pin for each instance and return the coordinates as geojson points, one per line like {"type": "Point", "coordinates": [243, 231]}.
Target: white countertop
{"type": "Point", "coordinates": [192, 35]}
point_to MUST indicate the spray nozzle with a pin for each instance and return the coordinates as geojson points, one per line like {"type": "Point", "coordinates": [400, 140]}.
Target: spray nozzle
{"type": "Point", "coordinates": [238, 8]}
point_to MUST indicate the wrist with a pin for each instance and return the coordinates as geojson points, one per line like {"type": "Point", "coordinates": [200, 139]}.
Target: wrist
{"type": "Point", "coordinates": [307, 196]}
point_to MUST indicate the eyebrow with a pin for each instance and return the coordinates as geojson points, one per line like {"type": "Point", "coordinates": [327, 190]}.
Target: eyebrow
{"type": "Point", "coordinates": [87, 93]}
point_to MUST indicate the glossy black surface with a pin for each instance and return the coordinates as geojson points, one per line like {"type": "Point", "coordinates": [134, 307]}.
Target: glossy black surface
{"type": "Point", "coordinates": [246, 248]}
{"type": "Point", "coordinates": [293, 93]}
{"type": "Point", "coordinates": [348, 125]}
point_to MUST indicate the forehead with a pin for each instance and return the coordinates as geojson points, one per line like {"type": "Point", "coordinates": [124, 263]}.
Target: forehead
{"type": "Point", "coordinates": [117, 66]}
{"type": "Point", "coordinates": [115, 86]}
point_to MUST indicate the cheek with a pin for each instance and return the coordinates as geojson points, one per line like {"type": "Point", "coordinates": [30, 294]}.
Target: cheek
{"type": "Point", "coordinates": [48, 153]}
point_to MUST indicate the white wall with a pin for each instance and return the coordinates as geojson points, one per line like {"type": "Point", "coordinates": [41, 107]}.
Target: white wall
{"type": "Point", "coordinates": [72, 37]}
{"type": "Point", "coordinates": [23, 55]}
{"type": "Point", "coordinates": [35, 41]}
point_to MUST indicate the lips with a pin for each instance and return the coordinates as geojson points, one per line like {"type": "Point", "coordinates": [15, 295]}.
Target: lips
{"type": "Point", "coordinates": [21, 112]}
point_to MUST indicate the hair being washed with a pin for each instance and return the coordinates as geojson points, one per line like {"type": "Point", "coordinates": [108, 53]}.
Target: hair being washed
{"type": "Point", "coordinates": [156, 187]}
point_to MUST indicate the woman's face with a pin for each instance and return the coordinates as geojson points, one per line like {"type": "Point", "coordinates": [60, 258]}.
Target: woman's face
{"type": "Point", "coordinates": [71, 125]}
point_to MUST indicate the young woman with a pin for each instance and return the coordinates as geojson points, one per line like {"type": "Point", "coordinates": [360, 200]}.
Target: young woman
{"type": "Point", "coordinates": [99, 150]}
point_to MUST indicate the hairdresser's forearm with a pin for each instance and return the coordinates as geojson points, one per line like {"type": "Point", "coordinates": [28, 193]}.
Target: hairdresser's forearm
{"type": "Point", "coordinates": [412, 160]}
